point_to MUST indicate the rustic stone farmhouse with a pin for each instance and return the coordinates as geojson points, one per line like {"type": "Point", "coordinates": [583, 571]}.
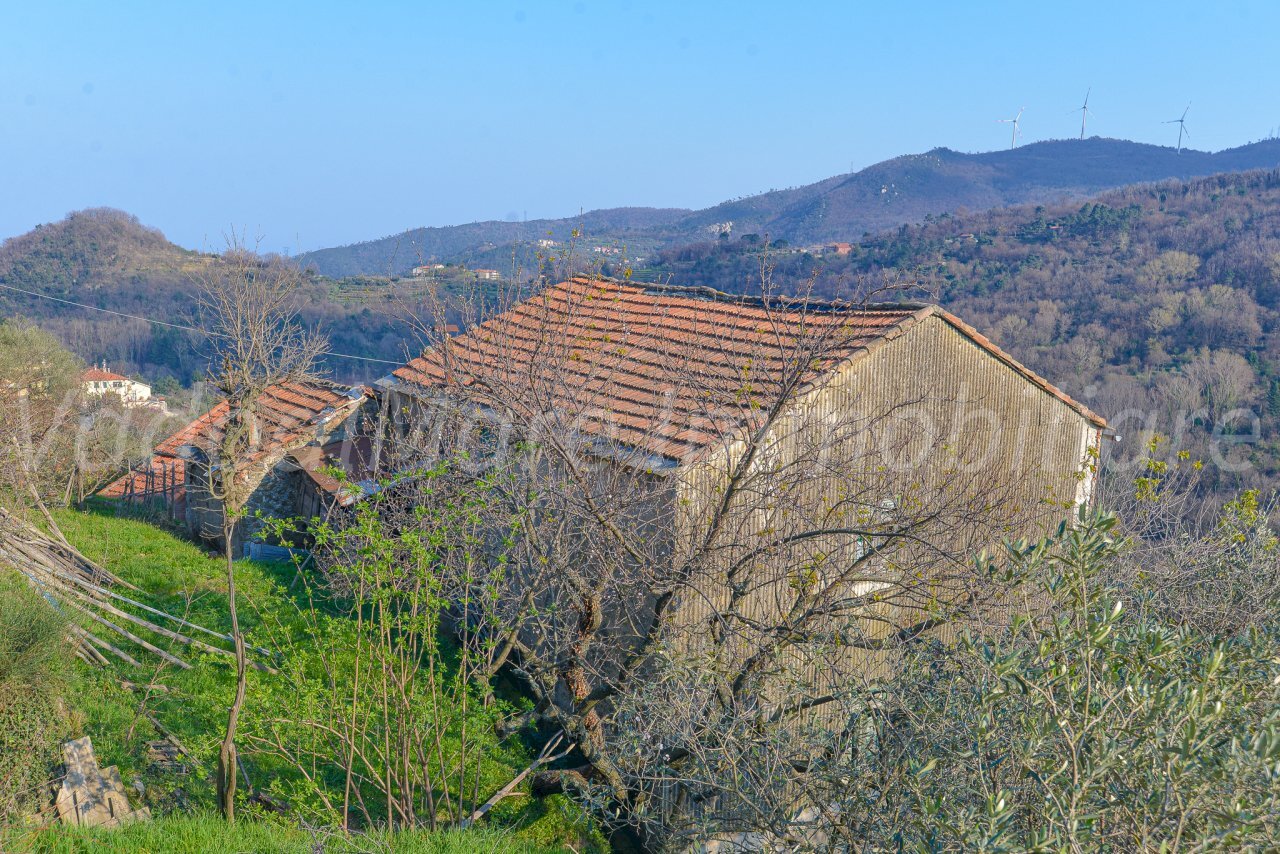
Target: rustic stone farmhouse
{"type": "Point", "coordinates": [305, 430]}
{"type": "Point", "coordinates": [667, 383]}
{"type": "Point", "coordinates": [788, 440]}
{"type": "Point", "coordinates": [767, 496]}
{"type": "Point", "coordinates": [636, 364]}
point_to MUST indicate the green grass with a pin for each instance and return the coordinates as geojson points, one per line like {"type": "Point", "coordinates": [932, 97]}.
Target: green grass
{"type": "Point", "coordinates": [33, 680]}
{"type": "Point", "coordinates": [206, 833]}
{"type": "Point", "coordinates": [183, 579]}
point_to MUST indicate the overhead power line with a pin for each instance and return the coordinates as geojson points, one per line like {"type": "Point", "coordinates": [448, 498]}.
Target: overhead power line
{"type": "Point", "coordinates": [175, 325]}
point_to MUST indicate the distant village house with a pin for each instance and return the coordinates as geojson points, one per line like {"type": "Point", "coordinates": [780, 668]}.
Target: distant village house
{"type": "Point", "coordinates": [98, 382]}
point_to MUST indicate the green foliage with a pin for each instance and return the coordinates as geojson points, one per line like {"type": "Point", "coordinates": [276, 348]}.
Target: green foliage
{"type": "Point", "coordinates": [1083, 727]}
{"type": "Point", "coordinates": [208, 833]}
{"type": "Point", "coordinates": [404, 590]}
{"type": "Point", "coordinates": [317, 646]}
{"type": "Point", "coordinates": [33, 655]}
{"type": "Point", "coordinates": [1085, 724]}
{"type": "Point", "coordinates": [1273, 398]}
{"type": "Point", "coordinates": [32, 637]}
{"type": "Point", "coordinates": [38, 409]}
{"type": "Point", "coordinates": [33, 360]}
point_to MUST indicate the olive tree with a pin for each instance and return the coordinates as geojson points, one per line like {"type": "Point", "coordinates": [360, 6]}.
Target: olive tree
{"type": "Point", "coordinates": [1086, 725]}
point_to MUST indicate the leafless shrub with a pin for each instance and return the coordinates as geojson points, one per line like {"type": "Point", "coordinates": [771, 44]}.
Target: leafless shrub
{"type": "Point", "coordinates": [250, 317]}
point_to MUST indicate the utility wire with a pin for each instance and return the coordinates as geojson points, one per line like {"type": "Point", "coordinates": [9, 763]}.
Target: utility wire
{"type": "Point", "coordinates": [175, 325]}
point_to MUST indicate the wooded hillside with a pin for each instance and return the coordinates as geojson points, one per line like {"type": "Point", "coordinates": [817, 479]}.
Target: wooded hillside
{"type": "Point", "coordinates": [108, 259]}
{"type": "Point", "coordinates": [1157, 305]}
{"type": "Point", "coordinates": [843, 207]}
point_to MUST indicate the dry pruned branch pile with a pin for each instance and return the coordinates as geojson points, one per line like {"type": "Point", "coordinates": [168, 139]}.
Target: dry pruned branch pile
{"type": "Point", "coordinates": [79, 587]}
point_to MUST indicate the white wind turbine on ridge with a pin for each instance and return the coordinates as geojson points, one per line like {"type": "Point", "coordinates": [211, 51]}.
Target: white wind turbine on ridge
{"type": "Point", "coordinates": [1084, 111]}
{"type": "Point", "coordinates": [1014, 121]}
{"type": "Point", "coordinates": [1181, 122]}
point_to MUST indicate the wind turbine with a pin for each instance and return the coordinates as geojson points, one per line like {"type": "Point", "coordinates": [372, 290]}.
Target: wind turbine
{"type": "Point", "coordinates": [1014, 121]}
{"type": "Point", "coordinates": [1182, 127]}
{"type": "Point", "coordinates": [1084, 112]}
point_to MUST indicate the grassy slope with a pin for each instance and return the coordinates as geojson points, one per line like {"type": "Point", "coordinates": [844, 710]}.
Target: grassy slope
{"type": "Point", "coordinates": [182, 579]}
{"type": "Point", "coordinates": [206, 832]}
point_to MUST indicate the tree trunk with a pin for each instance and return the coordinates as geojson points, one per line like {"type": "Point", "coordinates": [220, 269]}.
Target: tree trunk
{"type": "Point", "coordinates": [227, 757]}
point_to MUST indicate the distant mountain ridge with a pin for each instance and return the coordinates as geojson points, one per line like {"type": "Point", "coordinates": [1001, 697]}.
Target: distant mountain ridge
{"type": "Point", "coordinates": [399, 253]}
{"type": "Point", "coordinates": [1156, 304]}
{"type": "Point", "coordinates": [900, 191]}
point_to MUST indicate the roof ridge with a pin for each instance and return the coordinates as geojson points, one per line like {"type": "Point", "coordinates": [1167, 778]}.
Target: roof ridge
{"type": "Point", "coordinates": [99, 373]}
{"type": "Point", "coordinates": [773, 301]}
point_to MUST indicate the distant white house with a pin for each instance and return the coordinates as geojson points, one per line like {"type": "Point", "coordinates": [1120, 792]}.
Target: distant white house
{"type": "Point", "coordinates": [98, 381]}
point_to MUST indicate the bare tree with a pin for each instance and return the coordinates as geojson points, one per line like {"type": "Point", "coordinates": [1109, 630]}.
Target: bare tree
{"type": "Point", "coordinates": [1213, 386]}
{"type": "Point", "coordinates": [247, 304]}
{"type": "Point", "coordinates": [721, 539]}
{"type": "Point", "coordinates": [1188, 561]}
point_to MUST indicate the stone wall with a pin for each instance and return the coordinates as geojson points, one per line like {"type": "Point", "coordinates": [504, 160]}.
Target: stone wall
{"type": "Point", "coordinates": [274, 490]}
{"type": "Point", "coordinates": [274, 498]}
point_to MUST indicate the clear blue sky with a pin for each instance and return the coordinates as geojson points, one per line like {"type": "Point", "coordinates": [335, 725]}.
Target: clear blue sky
{"type": "Point", "coordinates": [321, 123]}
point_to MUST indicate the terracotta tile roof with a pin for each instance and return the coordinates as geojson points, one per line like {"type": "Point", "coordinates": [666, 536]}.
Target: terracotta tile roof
{"type": "Point", "coordinates": [99, 375]}
{"type": "Point", "coordinates": [668, 370]}
{"type": "Point", "coordinates": [288, 415]}
{"type": "Point", "coordinates": [352, 456]}
{"type": "Point", "coordinates": [162, 477]}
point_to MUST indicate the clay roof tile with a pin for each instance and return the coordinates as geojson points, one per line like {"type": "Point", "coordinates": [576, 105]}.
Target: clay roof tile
{"type": "Point", "coordinates": [665, 369]}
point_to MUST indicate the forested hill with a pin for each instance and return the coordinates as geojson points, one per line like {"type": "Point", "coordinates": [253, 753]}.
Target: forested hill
{"type": "Point", "coordinates": [1162, 299]}
{"type": "Point", "coordinates": [841, 208]}
{"type": "Point", "coordinates": [89, 249]}
{"type": "Point", "coordinates": [107, 259]}
{"type": "Point", "coordinates": [399, 253]}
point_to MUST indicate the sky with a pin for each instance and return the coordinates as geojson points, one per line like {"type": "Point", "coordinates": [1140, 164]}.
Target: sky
{"type": "Point", "coordinates": [322, 123]}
